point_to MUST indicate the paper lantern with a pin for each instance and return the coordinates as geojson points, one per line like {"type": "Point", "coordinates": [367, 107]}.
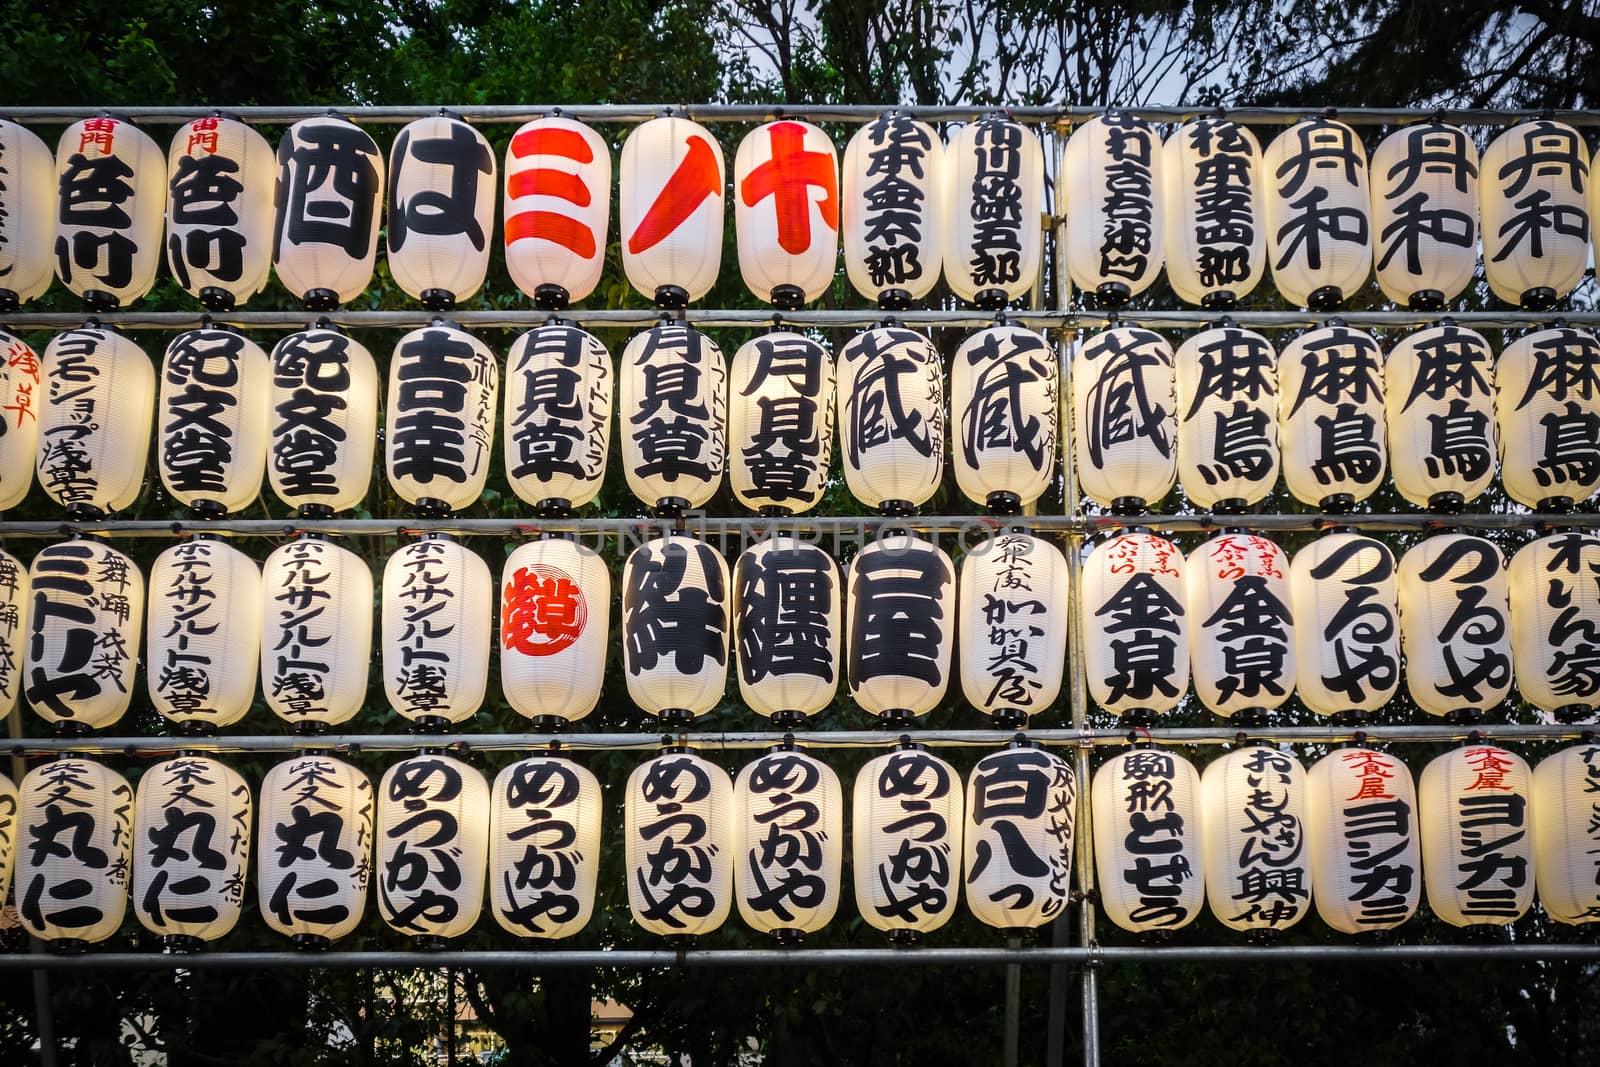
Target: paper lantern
{"type": "Point", "coordinates": [906, 819]}
{"type": "Point", "coordinates": [330, 188]}
{"type": "Point", "coordinates": [1547, 405]}
{"type": "Point", "coordinates": [1455, 624]}
{"type": "Point", "coordinates": [1124, 417]}
{"type": "Point", "coordinates": [893, 229]}
{"type": "Point", "coordinates": [1535, 218]}
{"type": "Point", "coordinates": [191, 848]}
{"type": "Point", "coordinates": [544, 847]}
{"type": "Point", "coordinates": [1135, 626]}
{"type": "Point", "coordinates": [680, 841]}
{"type": "Point", "coordinates": [788, 627]}
{"type": "Point", "coordinates": [558, 397]}
{"type": "Point", "coordinates": [1013, 628]}
{"type": "Point", "coordinates": [1477, 853]}
{"type": "Point", "coordinates": [324, 421]}
{"type": "Point", "coordinates": [438, 611]}
{"type": "Point", "coordinates": [16, 604]}
{"type": "Point", "coordinates": [27, 216]}
{"type": "Point", "coordinates": [1241, 630]}
{"type": "Point", "coordinates": [1439, 408]}
{"type": "Point", "coordinates": [555, 618]}
{"type": "Point", "coordinates": [993, 197]}
{"type": "Point", "coordinates": [432, 838]}
{"type": "Point", "coordinates": [890, 403]}
{"type": "Point", "coordinates": [10, 802]}
{"type": "Point", "coordinates": [94, 424]}
{"type": "Point", "coordinates": [1566, 834]}
{"type": "Point", "coordinates": [74, 851]}
{"type": "Point", "coordinates": [21, 380]}
{"type": "Point", "coordinates": [444, 387]}
{"type": "Point", "coordinates": [1111, 187]}
{"type": "Point", "coordinates": [204, 624]}
{"type": "Point", "coordinates": [221, 176]}
{"type": "Point", "coordinates": [1021, 805]}
{"type": "Point", "coordinates": [441, 210]}
{"type": "Point", "coordinates": [213, 419]}
{"type": "Point", "coordinates": [1257, 860]}
{"type": "Point", "coordinates": [1004, 398]}
{"type": "Point", "coordinates": [1148, 840]}
{"type": "Point", "coordinates": [1366, 863]}
{"type": "Point", "coordinates": [1227, 403]}
{"type": "Point", "coordinates": [1345, 601]}
{"type": "Point", "coordinates": [1214, 198]}
{"type": "Point", "coordinates": [675, 627]}
{"type": "Point", "coordinates": [672, 407]}
{"type": "Point", "coordinates": [1555, 613]}
{"type": "Point", "coordinates": [111, 184]}
{"type": "Point", "coordinates": [669, 196]}
{"type": "Point", "coordinates": [314, 848]}
{"type": "Point", "coordinates": [1319, 233]}
{"type": "Point", "coordinates": [901, 621]}
{"type": "Point", "coordinates": [88, 604]}
{"type": "Point", "coordinates": [780, 423]}
{"type": "Point", "coordinates": [786, 211]}
{"type": "Point", "coordinates": [316, 636]}
{"type": "Point", "coordinates": [788, 844]}
{"type": "Point", "coordinates": [1331, 417]}
{"type": "Point", "coordinates": [558, 209]}
{"type": "Point", "coordinates": [1425, 214]}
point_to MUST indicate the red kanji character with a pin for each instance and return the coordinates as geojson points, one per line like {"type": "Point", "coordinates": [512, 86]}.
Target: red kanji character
{"type": "Point", "coordinates": [202, 134]}
{"type": "Point", "coordinates": [1491, 765]}
{"type": "Point", "coordinates": [696, 178]}
{"type": "Point", "coordinates": [552, 226]}
{"type": "Point", "coordinates": [788, 178]}
{"type": "Point", "coordinates": [100, 133]}
{"type": "Point", "coordinates": [542, 611]}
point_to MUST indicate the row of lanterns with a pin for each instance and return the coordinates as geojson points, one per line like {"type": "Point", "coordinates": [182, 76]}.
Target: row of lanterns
{"type": "Point", "coordinates": [1223, 414]}
{"type": "Point", "coordinates": [1257, 835]}
{"type": "Point", "coordinates": [1209, 203]}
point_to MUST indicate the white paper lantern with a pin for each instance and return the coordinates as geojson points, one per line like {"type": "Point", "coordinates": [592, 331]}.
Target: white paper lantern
{"type": "Point", "coordinates": [88, 605]}
{"type": "Point", "coordinates": [780, 422]}
{"type": "Point", "coordinates": [890, 404]}
{"type": "Point", "coordinates": [1319, 233]}
{"type": "Point", "coordinates": [213, 419]}
{"type": "Point", "coordinates": [1214, 195]}
{"type": "Point", "coordinates": [558, 209]}
{"type": "Point", "coordinates": [1555, 613]}
{"type": "Point", "coordinates": [675, 626]}
{"type": "Point", "coordinates": [324, 421]}
{"type": "Point", "coordinates": [444, 387]}
{"type": "Point", "coordinates": [1425, 214]}
{"type": "Point", "coordinates": [906, 818]}
{"type": "Point", "coordinates": [1227, 402]}
{"type": "Point", "coordinates": [544, 847]}
{"type": "Point", "coordinates": [111, 184]}
{"type": "Point", "coordinates": [1439, 407]}
{"type": "Point", "coordinates": [192, 823]}
{"type": "Point", "coordinates": [314, 848]}
{"type": "Point", "coordinates": [558, 399]}
{"type": "Point", "coordinates": [1547, 405]}
{"type": "Point", "coordinates": [94, 424]}
{"type": "Point", "coordinates": [1135, 626]}
{"type": "Point", "coordinates": [1331, 416]}
{"type": "Point", "coordinates": [672, 412]}
{"type": "Point", "coordinates": [1111, 187]}
{"type": "Point", "coordinates": [316, 634]}
{"type": "Point", "coordinates": [204, 624]}
{"type": "Point", "coordinates": [27, 215]}
{"type": "Point", "coordinates": [1455, 624]}
{"type": "Point", "coordinates": [1257, 860]}
{"type": "Point", "coordinates": [1366, 862]}
{"type": "Point", "coordinates": [555, 618]}
{"type": "Point", "coordinates": [893, 227]}
{"type": "Point", "coordinates": [900, 616]}
{"type": "Point", "coordinates": [16, 605]}
{"type": "Point", "coordinates": [786, 211]}
{"type": "Point", "coordinates": [441, 210]}
{"type": "Point", "coordinates": [1013, 625]}
{"type": "Point", "coordinates": [680, 841]}
{"type": "Point", "coordinates": [788, 627]}
{"type": "Point", "coordinates": [1345, 600]}
{"type": "Point", "coordinates": [10, 803]}
{"type": "Point", "coordinates": [1148, 840]}
{"type": "Point", "coordinates": [788, 847]}
{"type": "Point", "coordinates": [993, 196]}
{"type": "Point", "coordinates": [1241, 629]}
{"type": "Point", "coordinates": [1477, 853]}
{"type": "Point", "coordinates": [221, 177]}
{"type": "Point", "coordinates": [21, 389]}
{"type": "Point", "coordinates": [1020, 810]}
{"type": "Point", "coordinates": [1005, 393]}
{"type": "Point", "coordinates": [1566, 834]}
{"type": "Point", "coordinates": [329, 207]}
{"type": "Point", "coordinates": [432, 838]}
{"type": "Point", "coordinates": [1535, 217]}
{"type": "Point", "coordinates": [74, 850]}
{"type": "Point", "coordinates": [438, 611]}
{"type": "Point", "coordinates": [669, 197]}
{"type": "Point", "coordinates": [1124, 417]}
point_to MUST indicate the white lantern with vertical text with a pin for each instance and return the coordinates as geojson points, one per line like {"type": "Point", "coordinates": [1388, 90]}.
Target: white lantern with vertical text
{"type": "Point", "coordinates": [1214, 193]}
{"type": "Point", "coordinates": [892, 226]}
{"type": "Point", "coordinates": [324, 420]}
{"type": "Point", "coordinates": [1455, 624]}
{"type": "Point", "coordinates": [672, 413]}
{"type": "Point", "coordinates": [901, 624]}
{"type": "Point", "coordinates": [441, 210]}
{"type": "Point", "coordinates": [1439, 410]}
{"type": "Point", "coordinates": [1020, 811]}
{"type": "Point", "coordinates": [204, 625]}
{"type": "Point", "coordinates": [1366, 859]}
{"type": "Point", "coordinates": [221, 178]}
{"type": "Point", "coordinates": [780, 422]}
{"type": "Point", "coordinates": [679, 844]}
{"type": "Point", "coordinates": [1555, 610]}
{"type": "Point", "coordinates": [437, 625]}
{"type": "Point", "coordinates": [1566, 833]}
{"type": "Point", "coordinates": [906, 818]}
{"type": "Point", "coordinates": [1535, 213]}
{"type": "Point", "coordinates": [544, 847]}
{"type": "Point", "coordinates": [94, 424]}
{"type": "Point", "coordinates": [1014, 618]}
{"type": "Point", "coordinates": [432, 836]}
{"type": "Point", "coordinates": [993, 197]}
{"type": "Point", "coordinates": [670, 209]}
{"type": "Point", "coordinates": [1331, 417]}
{"type": "Point", "coordinates": [675, 626]}
{"type": "Point", "coordinates": [316, 634]}
{"type": "Point", "coordinates": [1477, 848]}
{"type": "Point", "coordinates": [1124, 417]}
{"type": "Point", "coordinates": [1005, 395]}
{"type": "Point", "coordinates": [329, 209]}
{"type": "Point", "coordinates": [558, 399]}
{"type": "Point", "coordinates": [788, 847]}
{"type": "Point", "coordinates": [1425, 213]}
{"type": "Point", "coordinates": [1148, 840]}
{"type": "Point", "coordinates": [1227, 403]}
{"type": "Point", "coordinates": [1345, 600]}
{"type": "Point", "coordinates": [74, 850]}
{"type": "Point", "coordinates": [1319, 229]}
{"type": "Point", "coordinates": [315, 892]}
{"type": "Point", "coordinates": [16, 606]}
{"type": "Point", "coordinates": [788, 627]}
{"type": "Point", "coordinates": [1257, 859]}
{"type": "Point", "coordinates": [890, 404]}
{"type": "Point", "coordinates": [1241, 628]}
{"type": "Point", "coordinates": [444, 387]}
{"type": "Point", "coordinates": [27, 215]}
{"type": "Point", "coordinates": [558, 209]}
{"type": "Point", "coordinates": [84, 623]}
{"type": "Point", "coordinates": [1547, 405]}
{"type": "Point", "coordinates": [1135, 625]}
{"type": "Point", "coordinates": [21, 390]}
{"type": "Point", "coordinates": [111, 183]}
{"type": "Point", "coordinates": [1111, 189]}
{"type": "Point", "coordinates": [191, 834]}
{"type": "Point", "coordinates": [213, 419]}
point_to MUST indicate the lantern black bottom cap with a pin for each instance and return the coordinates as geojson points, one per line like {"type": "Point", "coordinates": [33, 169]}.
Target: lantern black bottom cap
{"type": "Point", "coordinates": [216, 299]}
{"type": "Point", "coordinates": [1327, 298]}
{"type": "Point", "coordinates": [1556, 505]}
{"type": "Point", "coordinates": [1573, 714]}
{"type": "Point", "coordinates": [896, 509]}
{"type": "Point", "coordinates": [788, 297]}
{"type": "Point", "coordinates": [197, 728]}
{"type": "Point", "coordinates": [897, 719]}
{"type": "Point", "coordinates": [100, 300]}
{"type": "Point", "coordinates": [312, 942]}
{"type": "Point", "coordinates": [671, 507]}
{"type": "Point", "coordinates": [73, 728]}
{"type": "Point", "coordinates": [1129, 505]}
{"type": "Point", "coordinates": [894, 300]}
{"type": "Point", "coordinates": [1113, 294]}
{"type": "Point", "coordinates": [1539, 298]}
{"type": "Point", "coordinates": [1003, 503]}
{"type": "Point", "coordinates": [428, 507]}
{"type": "Point", "coordinates": [676, 718]}
{"type": "Point", "coordinates": [310, 727]}
{"type": "Point", "coordinates": [1137, 718]}
{"type": "Point", "coordinates": [10, 300]}
{"type": "Point", "coordinates": [671, 297]}
{"type": "Point", "coordinates": [1337, 504]}
{"type": "Point", "coordinates": [1221, 300]}
{"type": "Point", "coordinates": [1009, 719]}
{"type": "Point", "coordinates": [68, 946]}
{"type": "Point", "coordinates": [1426, 300]}
{"type": "Point", "coordinates": [314, 511]}
{"type": "Point", "coordinates": [85, 513]}
{"type": "Point", "coordinates": [1447, 503]}
{"type": "Point", "coordinates": [1233, 505]}
{"type": "Point", "coordinates": [990, 299]}
{"type": "Point", "coordinates": [321, 300]}
{"type": "Point", "coordinates": [547, 724]}
{"type": "Point", "coordinates": [905, 938]}
{"type": "Point", "coordinates": [788, 720]}
{"type": "Point", "coordinates": [551, 297]}
{"type": "Point", "coordinates": [437, 299]}
{"type": "Point", "coordinates": [788, 938]}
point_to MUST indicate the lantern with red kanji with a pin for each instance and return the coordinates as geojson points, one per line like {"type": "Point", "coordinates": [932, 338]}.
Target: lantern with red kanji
{"type": "Point", "coordinates": [21, 393]}
{"type": "Point", "coordinates": [1475, 807]}
{"type": "Point", "coordinates": [111, 184]}
{"type": "Point", "coordinates": [1366, 859]}
{"type": "Point", "coordinates": [558, 209]}
{"type": "Point", "coordinates": [786, 211]}
{"type": "Point", "coordinates": [670, 209]}
{"type": "Point", "coordinates": [1135, 625]}
{"type": "Point", "coordinates": [1241, 628]}
{"type": "Point", "coordinates": [221, 176]}
{"type": "Point", "coordinates": [555, 605]}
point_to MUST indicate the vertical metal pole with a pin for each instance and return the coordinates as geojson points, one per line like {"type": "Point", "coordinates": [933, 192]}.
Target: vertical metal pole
{"type": "Point", "coordinates": [41, 977]}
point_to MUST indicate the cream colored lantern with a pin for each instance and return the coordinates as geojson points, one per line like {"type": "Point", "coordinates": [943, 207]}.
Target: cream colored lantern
{"type": "Point", "coordinates": [111, 184]}
{"type": "Point", "coordinates": [441, 210]}
{"type": "Point", "coordinates": [670, 210]}
{"type": "Point", "coordinates": [544, 847]}
{"type": "Point", "coordinates": [314, 848]}
{"type": "Point", "coordinates": [906, 821]}
{"type": "Point", "coordinates": [558, 209]}
{"type": "Point", "coordinates": [329, 209]}
{"type": "Point", "coordinates": [1005, 393]}
{"type": "Point", "coordinates": [191, 834]}
{"type": "Point", "coordinates": [1135, 625]}
{"type": "Point", "coordinates": [1124, 417]}
{"type": "Point", "coordinates": [94, 423]}
{"type": "Point", "coordinates": [1257, 859]}
{"type": "Point", "coordinates": [680, 841]}
{"type": "Point", "coordinates": [555, 620]}
{"type": "Point", "coordinates": [221, 177]}
{"type": "Point", "coordinates": [1227, 403]}
{"type": "Point", "coordinates": [432, 837]}
{"type": "Point", "coordinates": [788, 844]}
{"type": "Point", "coordinates": [1148, 840]}
{"type": "Point", "coordinates": [437, 626]}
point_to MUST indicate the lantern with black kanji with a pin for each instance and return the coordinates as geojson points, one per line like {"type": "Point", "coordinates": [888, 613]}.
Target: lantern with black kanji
{"type": "Point", "coordinates": [111, 187]}
{"type": "Point", "coordinates": [555, 618]}
{"type": "Point", "coordinates": [669, 197]}
{"type": "Point", "coordinates": [680, 840]}
{"type": "Point", "coordinates": [1214, 193]}
{"type": "Point", "coordinates": [788, 844]}
{"type": "Point", "coordinates": [1331, 417]}
{"type": "Point", "coordinates": [21, 390]}
{"type": "Point", "coordinates": [1148, 844]}
{"type": "Point", "coordinates": [83, 624]}
{"type": "Point", "coordinates": [786, 211]}
{"type": "Point", "coordinates": [1366, 856]}
{"type": "Point", "coordinates": [329, 208]}
{"type": "Point", "coordinates": [1135, 625]}
{"type": "Point", "coordinates": [1534, 211]}
{"type": "Point", "coordinates": [432, 838]}
{"type": "Point", "coordinates": [1124, 417]}
{"type": "Point", "coordinates": [1021, 805]}
{"type": "Point", "coordinates": [675, 627]}
{"type": "Point", "coordinates": [1345, 601]}
{"type": "Point", "coordinates": [1547, 405]}
{"type": "Point", "coordinates": [1005, 393]}
{"type": "Point", "coordinates": [558, 398]}
{"type": "Point", "coordinates": [1439, 410]}
{"type": "Point", "coordinates": [544, 847]}
{"type": "Point", "coordinates": [221, 177]}
{"type": "Point", "coordinates": [316, 634]}
{"type": "Point", "coordinates": [906, 819]}
{"type": "Point", "coordinates": [444, 387]}
{"type": "Point", "coordinates": [27, 216]}
{"type": "Point", "coordinates": [314, 848]}
{"type": "Point", "coordinates": [192, 823]}
{"type": "Point", "coordinates": [213, 420]}
{"type": "Point", "coordinates": [1474, 805]}
{"type": "Point", "coordinates": [1111, 189]}
{"type": "Point", "coordinates": [437, 625]}
{"type": "Point", "coordinates": [901, 623]}
{"type": "Point", "coordinates": [1013, 629]}
{"type": "Point", "coordinates": [1227, 402]}
{"type": "Point", "coordinates": [890, 404]}
{"type": "Point", "coordinates": [10, 802]}
{"type": "Point", "coordinates": [1257, 859]}
{"type": "Point", "coordinates": [1425, 214]}
{"type": "Point", "coordinates": [1566, 833]}
{"type": "Point", "coordinates": [780, 423]}
{"type": "Point", "coordinates": [204, 625]}
{"type": "Point", "coordinates": [558, 209]}
{"type": "Point", "coordinates": [94, 422]}
{"type": "Point", "coordinates": [672, 413]}
{"type": "Point", "coordinates": [1455, 625]}
{"type": "Point", "coordinates": [993, 197]}
{"type": "Point", "coordinates": [788, 628]}
{"type": "Point", "coordinates": [893, 227]}
{"type": "Point", "coordinates": [441, 210]}
{"type": "Point", "coordinates": [74, 851]}
{"type": "Point", "coordinates": [16, 604]}
{"type": "Point", "coordinates": [1319, 227]}
{"type": "Point", "coordinates": [1555, 610]}
{"type": "Point", "coordinates": [324, 421]}
{"type": "Point", "coordinates": [1241, 628]}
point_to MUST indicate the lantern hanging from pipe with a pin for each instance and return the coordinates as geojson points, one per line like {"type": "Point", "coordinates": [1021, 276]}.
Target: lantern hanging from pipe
{"type": "Point", "coordinates": [544, 847]}
{"type": "Point", "coordinates": [329, 207]}
{"type": "Point", "coordinates": [88, 604]}
{"type": "Point", "coordinates": [1331, 417]}
{"type": "Point", "coordinates": [672, 406]}
{"type": "Point", "coordinates": [788, 844]}
{"type": "Point", "coordinates": [1111, 187]}
{"type": "Point", "coordinates": [680, 841]}
{"type": "Point", "coordinates": [444, 386]}
{"type": "Point", "coordinates": [1547, 405]}
{"type": "Point", "coordinates": [74, 851]}
{"type": "Point", "coordinates": [21, 386]}
{"type": "Point", "coordinates": [324, 421]}
{"type": "Point", "coordinates": [558, 398]}
{"type": "Point", "coordinates": [558, 210]}
{"type": "Point", "coordinates": [890, 404]}
{"type": "Point", "coordinates": [1214, 198]}
{"type": "Point", "coordinates": [1013, 626]}
{"type": "Point", "coordinates": [1345, 601]}
{"type": "Point", "coordinates": [1555, 610]}
{"type": "Point", "coordinates": [1020, 806]}
{"type": "Point", "coordinates": [1135, 626]}
{"type": "Point", "coordinates": [1319, 233]}
{"type": "Point", "coordinates": [204, 624]}
{"type": "Point", "coordinates": [1147, 840]}
{"type": "Point", "coordinates": [316, 634]}
{"type": "Point", "coordinates": [1455, 625]}
{"type": "Point", "coordinates": [1241, 630]}
{"type": "Point", "coordinates": [27, 216]}
{"type": "Point", "coordinates": [1227, 404]}
{"type": "Point", "coordinates": [1366, 863]}
{"type": "Point", "coordinates": [1565, 803]}
{"type": "Point", "coordinates": [780, 423]}
{"type": "Point", "coordinates": [16, 606]}
{"type": "Point", "coordinates": [314, 893]}
{"type": "Point", "coordinates": [111, 184]}
{"type": "Point", "coordinates": [221, 175]}
{"type": "Point", "coordinates": [670, 209]}
{"type": "Point", "coordinates": [432, 837]}
{"type": "Point", "coordinates": [1439, 408]}
{"type": "Point", "coordinates": [1124, 416]}
{"type": "Point", "coordinates": [892, 225]}
{"type": "Point", "coordinates": [1535, 217]}
{"type": "Point", "coordinates": [1425, 214]}
{"type": "Point", "coordinates": [10, 803]}
{"type": "Point", "coordinates": [788, 628]}
{"type": "Point", "coordinates": [1004, 399]}
{"type": "Point", "coordinates": [906, 823]}
{"type": "Point", "coordinates": [213, 419]}
{"type": "Point", "coordinates": [192, 821]}
{"type": "Point", "coordinates": [901, 620]}
{"type": "Point", "coordinates": [675, 627]}
{"type": "Point", "coordinates": [555, 615]}
{"type": "Point", "coordinates": [1477, 853]}
{"type": "Point", "coordinates": [438, 611]}
{"type": "Point", "coordinates": [94, 424]}
{"type": "Point", "coordinates": [993, 197]}
{"type": "Point", "coordinates": [786, 211]}
{"type": "Point", "coordinates": [441, 210]}
{"type": "Point", "coordinates": [1257, 860]}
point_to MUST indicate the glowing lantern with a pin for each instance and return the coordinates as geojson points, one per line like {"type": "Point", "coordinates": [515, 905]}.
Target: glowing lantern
{"type": "Point", "coordinates": [993, 196]}
{"type": "Point", "coordinates": [75, 850]}
{"type": "Point", "coordinates": [1124, 415]}
{"type": "Point", "coordinates": [1227, 402]}
{"type": "Point", "coordinates": [558, 209]}
{"type": "Point", "coordinates": [1366, 863]}
{"type": "Point", "coordinates": [670, 209]}
{"type": "Point", "coordinates": [780, 422]}
{"type": "Point", "coordinates": [890, 403]}
{"type": "Point", "coordinates": [1477, 853]}
{"type": "Point", "coordinates": [324, 421]}
{"type": "Point", "coordinates": [204, 623]}
{"type": "Point", "coordinates": [432, 837]}
{"type": "Point", "coordinates": [558, 396]}
{"type": "Point", "coordinates": [555, 615]}
{"type": "Point", "coordinates": [88, 604]}
{"type": "Point", "coordinates": [1566, 834]}
{"type": "Point", "coordinates": [1345, 601]}
{"type": "Point", "coordinates": [1555, 608]}
{"type": "Point", "coordinates": [1013, 626]}
{"type": "Point", "coordinates": [680, 841]}
{"type": "Point", "coordinates": [901, 620]}
{"type": "Point", "coordinates": [111, 181]}
{"type": "Point", "coordinates": [893, 229]}
{"type": "Point", "coordinates": [1455, 624]}
{"type": "Point", "coordinates": [220, 184]}
{"type": "Point", "coordinates": [1148, 840]}
{"type": "Point", "coordinates": [1425, 214]}
{"type": "Point", "coordinates": [544, 847]}
{"type": "Point", "coordinates": [1319, 234]}
{"type": "Point", "coordinates": [1535, 218]}
{"type": "Point", "coordinates": [675, 627]}
{"type": "Point", "coordinates": [1135, 625]}
{"type": "Point", "coordinates": [213, 420]}
{"type": "Point", "coordinates": [21, 379]}
{"type": "Point", "coordinates": [788, 628]}
{"type": "Point", "coordinates": [27, 216]}
{"type": "Point", "coordinates": [672, 406]}
{"type": "Point", "coordinates": [16, 603]}
{"type": "Point", "coordinates": [1241, 631]}
{"type": "Point", "coordinates": [1214, 194]}
{"type": "Point", "coordinates": [1439, 403]}
{"type": "Point", "coordinates": [444, 386]}
{"type": "Point", "coordinates": [788, 844]}
{"type": "Point", "coordinates": [1111, 187]}
{"type": "Point", "coordinates": [10, 802]}
{"type": "Point", "coordinates": [438, 607]}
{"type": "Point", "coordinates": [191, 848]}
{"type": "Point", "coordinates": [330, 191]}
{"type": "Point", "coordinates": [786, 211]}
{"type": "Point", "coordinates": [906, 821]}
{"type": "Point", "coordinates": [441, 210]}
{"type": "Point", "coordinates": [1257, 861]}
{"type": "Point", "coordinates": [314, 893]}
{"type": "Point", "coordinates": [1021, 803]}
{"type": "Point", "coordinates": [1004, 397]}
{"type": "Point", "coordinates": [316, 636]}
{"type": "Point", "coordinates": [1331, 417]}
{"type": "Point", "coordinates": [1547, 405]}
{"type": "Point", "coordinates": [94, 424]}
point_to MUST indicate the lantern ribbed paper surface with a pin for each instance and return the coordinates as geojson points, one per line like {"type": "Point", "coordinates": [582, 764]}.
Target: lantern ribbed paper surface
{"type": "Point", "coordinates": [111, 185]}
{"type": "Point", "coordinates": [192, 823]}
{"type": "Point", "coordinates": [1214, 196]}
{"type": "Point", "coordinates": [1547, 405]}
{"type": "Point", "coordinates": [84, 622]}
{"type": "Point", "coordinates": [679, 843]}
{"type": "Point", "coordinates": [1135, 625]}
{"type": "Point", "coordinates": [1425, 213]}
{"type": "Point", "coordinates": [780, 422]}
{"type": "Point", "coordinates": [675, 625]}
{"type": "Point", "coordinates": [788, 843]}
{"type": "Point", "coordinates": [441, 210]}
{"type": "Point", "coordinates": [1148, 840]}
{"type": "Point", "coordinates": [324, 420]}
{"type": "Point", "coordinates": [437, 625]}
{"type": "Point", "coordinates": [670, 209]}
{"type": "Point", "coordinates": [1555, 611]}
{"type": "Point", "coordinates": [788, 626]}
{"type": "Point", "coordinates": [21, 390]}
{"type": "Point", "coordinates": [444, 387]}
{"type": "Point", "coordinates": [1241, 628]}
{"type": "Point", "coordinates": [1124, 416]}
{"type": "Point", "coordinates": [1319, 230]}
{"type": "Point", "coordinates": [786, 211]}
{"type": "Point", "coordinates": [1477, 852]}
{"type": "Point", "coordinates": [544, 847]}
{"type": "Point", "coordinates": [10, 803]}
{"type": "Point", "coordinates": [27, 215]}
{"type": "Point", "coordinates": [314, 847]}
{"type": "Point", "coordinates": [1005, 394]}
{"type": "Point", "coordinates": [212, 420]}
{"type": "Point", "coordinates": [1439, 409]}
{"type": "Point", "coordinates": [16, 607]}
{"type": "Point", "coordinates": [221, 178]}
{"type": "Point", "coordinates": [94, 424]}
{"type": "Point", "coordinates": [329, 209]}
{"type": "Point", "coordinates": [993, 194]}
{"type": "Point", "coordinates": [1455, 624]}
{"type": "Point", "coordinates": [1345, 600]}
{"type": "Point", "coordinates": [890, 403]}
{"type": "Point", "coordinates": [1331, 416]}
{"type": "Point", "coordinates": [1566, 834]}
{"type": "Point", "coordinates": [1536, 221]}
{"type": "Point", "coordinates": [1014, 618]}
{"type": "Point", "coordinates": [558, 398]}
{"type": "Point", "coordinates": [74, 850]}
{"type": "Point", "coordinates": [1257, 860]}
{"type": "Point", "coordinates": [1227, 403]}
{"type": "Point", "coordinates": [672, 413]}
{"type": "Point", "coordinates": [555, 621]}
{"type": "Point", "coordinates": [893, 226]}
{"type": "Point", "coordinates": [432, 837]}
{"type": "Point", "coordinates": [901, 624]}
{"type": "Point", "coordinates": [204, 622]}
{"type": "Point", "coordinates": [316, 635]}
{"type": "Point", "coordinates": [1111, 187]}
{"type": "Point", "coordinates": [558, 209]}
{"type": "Point", "coordinates": [1366, 862]}
{"type": "Point", "coordinates": [1021, 805]}
{"type": "Point", "coordinates": [906, 818]}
